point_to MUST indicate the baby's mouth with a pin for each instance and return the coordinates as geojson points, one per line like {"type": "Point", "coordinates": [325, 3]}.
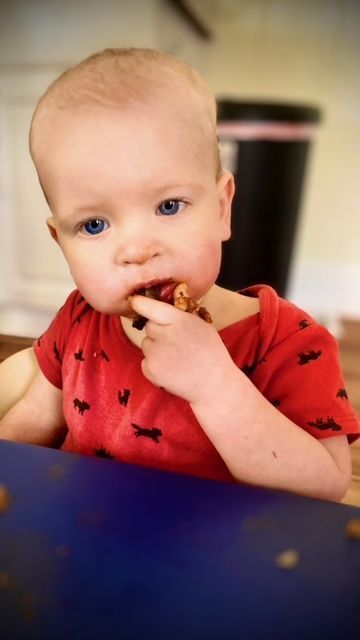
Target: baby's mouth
{"type": "Point", "coordinates": [158, 291]}
{"type": "Point", "coordinates": [173, 293]}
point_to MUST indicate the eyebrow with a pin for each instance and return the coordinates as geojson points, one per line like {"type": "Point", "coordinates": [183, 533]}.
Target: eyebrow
{"type": "Point", "coordinates": [178, 189]}
{"type": "Point", "coordinates": [155, 192]}
{"type": "Point", "coordinates": [83, 210]}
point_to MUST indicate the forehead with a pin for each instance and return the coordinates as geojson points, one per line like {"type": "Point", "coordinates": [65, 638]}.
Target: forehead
{"type": "Point", "coordinates": [61, 126]}
{"type": "Point", "coordinates": [75, 147]}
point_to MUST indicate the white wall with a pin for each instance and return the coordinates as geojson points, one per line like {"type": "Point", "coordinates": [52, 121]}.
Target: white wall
{"type": "Point", "coordinates": [49, 32]}
{"type": "Point", "coordinates": [307, 52]}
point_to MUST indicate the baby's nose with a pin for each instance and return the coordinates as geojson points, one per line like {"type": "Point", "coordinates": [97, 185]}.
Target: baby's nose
{"type": "Point", "coordinates": [136, 254]}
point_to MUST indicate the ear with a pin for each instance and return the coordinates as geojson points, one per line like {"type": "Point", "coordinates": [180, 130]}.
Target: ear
{"type": "Point", "coordinates": [226, 190]}
{"type": "Point", "coordinates": [51, 225]}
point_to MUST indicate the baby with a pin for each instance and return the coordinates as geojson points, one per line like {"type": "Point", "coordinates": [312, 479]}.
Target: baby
{"type": "Point", "coordinates": [126, 152]}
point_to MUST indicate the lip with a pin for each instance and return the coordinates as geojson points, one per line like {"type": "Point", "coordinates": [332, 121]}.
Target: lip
{"type": "Point", "coordinates": [151, 283]}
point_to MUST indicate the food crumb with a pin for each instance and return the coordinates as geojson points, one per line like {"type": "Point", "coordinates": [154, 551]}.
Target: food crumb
{"type": "Point", "coordinates": [353, 529]}
{"type": "Point", "coordinates": [5, 499]}
{"type": "Point", "coordinates": [5, 580]}
{"type": "Point", "coordinates": [288, 559]}
{"type": "Point", "coordinates": [57, 471]}
{"type": "Point", "coordinates": [62, 551]}
{"type": "Point", "coordinates": [27, 605]}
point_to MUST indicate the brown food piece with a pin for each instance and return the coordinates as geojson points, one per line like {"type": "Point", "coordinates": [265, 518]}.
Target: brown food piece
{"type": "Point", "coordinates": [204, 314]}
{"type": "Point", "coordinates": [5, 499]}
{"type": "Point", "coordinates": [185, 303]}
{"type": "Point", "coordinates": [5, 580]}
{"type": "Point", "coordinates": [288, 559]}
{"type": "Point", "coordinates": [62, 551]}
{"type": "Point", "coordinates": [56, 471]}
{"type": "Point", "coordinates": [139, 322]}
{"type": "Point", "coordinates": [173, 294]}
{"type": "Point", "coordinates": [353, 529]}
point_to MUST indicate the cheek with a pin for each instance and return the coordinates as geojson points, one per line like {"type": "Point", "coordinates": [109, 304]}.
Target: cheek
{"type": "Point", "coordinates": [93, 283]}
{"type": "Point", "coordinates": [74, 259]}
{"type": "Point", "coordinates": [208, 252]}
{"type": "Point", "coordinates": [204, 262]}
{"type": "Point", "coordinates": [83, 266]}
{"type": "Point", "coordinates": [90, 279]}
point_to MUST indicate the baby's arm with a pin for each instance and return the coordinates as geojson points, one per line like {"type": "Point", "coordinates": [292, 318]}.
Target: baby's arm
{"type": "Point", "coordinates": [258, 443]}
{"type": "Point", "coordinates": [36, 414]}
{"type": "Point", "coordinates": [16, 375]}
{"type": "Point", "coordinates": [262, 446]}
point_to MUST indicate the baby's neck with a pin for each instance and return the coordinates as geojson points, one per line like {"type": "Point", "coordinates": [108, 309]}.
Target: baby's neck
{"type": "Point", "coordinates": [228, 307]}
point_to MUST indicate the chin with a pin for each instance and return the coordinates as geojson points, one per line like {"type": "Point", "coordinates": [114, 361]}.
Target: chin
{"type": "Point", "coordinates": [112, 309]}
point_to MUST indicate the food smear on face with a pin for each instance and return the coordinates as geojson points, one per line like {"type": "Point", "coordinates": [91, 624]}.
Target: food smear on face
{"type": "Point", "coordinates": [172, 293]}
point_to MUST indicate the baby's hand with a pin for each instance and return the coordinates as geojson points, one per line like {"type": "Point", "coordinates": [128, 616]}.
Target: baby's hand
{"type": "Point", "coordinates": [182, 353]}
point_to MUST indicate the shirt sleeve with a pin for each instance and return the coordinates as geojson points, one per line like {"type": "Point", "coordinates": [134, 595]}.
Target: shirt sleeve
{"type": "Point", "coordinates": [302, 377]}
{"type": "Point", "coordinates": [50, 347]}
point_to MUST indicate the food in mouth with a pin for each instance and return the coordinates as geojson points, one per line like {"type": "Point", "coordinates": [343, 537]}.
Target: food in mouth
{"type": "Point", "coordinates": [172, 293]}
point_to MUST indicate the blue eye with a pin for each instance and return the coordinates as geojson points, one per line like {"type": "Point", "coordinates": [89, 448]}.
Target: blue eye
{"type": "Point", "coordinates": [95, 226]}
{"type": "Point", "coordinates": [171, 207]}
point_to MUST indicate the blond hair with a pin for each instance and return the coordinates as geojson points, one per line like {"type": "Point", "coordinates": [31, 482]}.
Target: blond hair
{"type": "Point", "coordinates": [118, 78]}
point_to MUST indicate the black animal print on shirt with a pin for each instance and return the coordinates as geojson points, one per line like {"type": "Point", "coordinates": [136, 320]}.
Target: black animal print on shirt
{"type": "Point", "coordinates": [83, 312]}
{"type": "Point", "coordinates": [324, 424]}
{"type": "Point", "coordinates": [81, 405]}
{"type": "Point", "coordinates": [305, 358]}
{"type": "Point", "coordinates": [303, 324]}
{"type": "Point", "coordinates": [248, 369]}
{"type": "Point", "coordinates": [101, 354]}
{"type": "Point", "coordinates": [154, 433]}
{"type": "Point", "coordinates": [103, 453]}
{"type": "Point", "coordinates": [342, 394]}
{"type": "Point", "coordinates": [123, 397]}
{"type": "Point", "coordinates": [57, 353]}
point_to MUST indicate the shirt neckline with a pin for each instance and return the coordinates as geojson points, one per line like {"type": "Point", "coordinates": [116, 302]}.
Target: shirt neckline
{"type": "Point", "coordinates": [266, 318]}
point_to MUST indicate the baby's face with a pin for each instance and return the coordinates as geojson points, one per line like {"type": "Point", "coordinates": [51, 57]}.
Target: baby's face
{"type": "Point", "coordinates": [135, 202]}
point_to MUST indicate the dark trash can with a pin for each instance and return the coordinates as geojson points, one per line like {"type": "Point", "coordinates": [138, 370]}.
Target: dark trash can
{"type": "Point", "coordinates": [267, 147]}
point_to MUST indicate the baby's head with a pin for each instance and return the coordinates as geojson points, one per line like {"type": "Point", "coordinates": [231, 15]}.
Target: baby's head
{"type": "Point", "coordinates": [124, 79]}
{"type": "Point", "coordinates": [126, 151]}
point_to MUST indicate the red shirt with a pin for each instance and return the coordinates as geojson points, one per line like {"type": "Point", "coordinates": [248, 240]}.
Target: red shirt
{"type": "Point", "coordinates": [112, 410]}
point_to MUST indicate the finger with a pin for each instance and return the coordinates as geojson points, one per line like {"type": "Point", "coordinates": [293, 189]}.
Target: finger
{"type": "Point", "coordinates": [158, 312]}
{"type": "Point", "coordinates": [146, 345]}
{"type": "Point", "coordinates": [147, 373]}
